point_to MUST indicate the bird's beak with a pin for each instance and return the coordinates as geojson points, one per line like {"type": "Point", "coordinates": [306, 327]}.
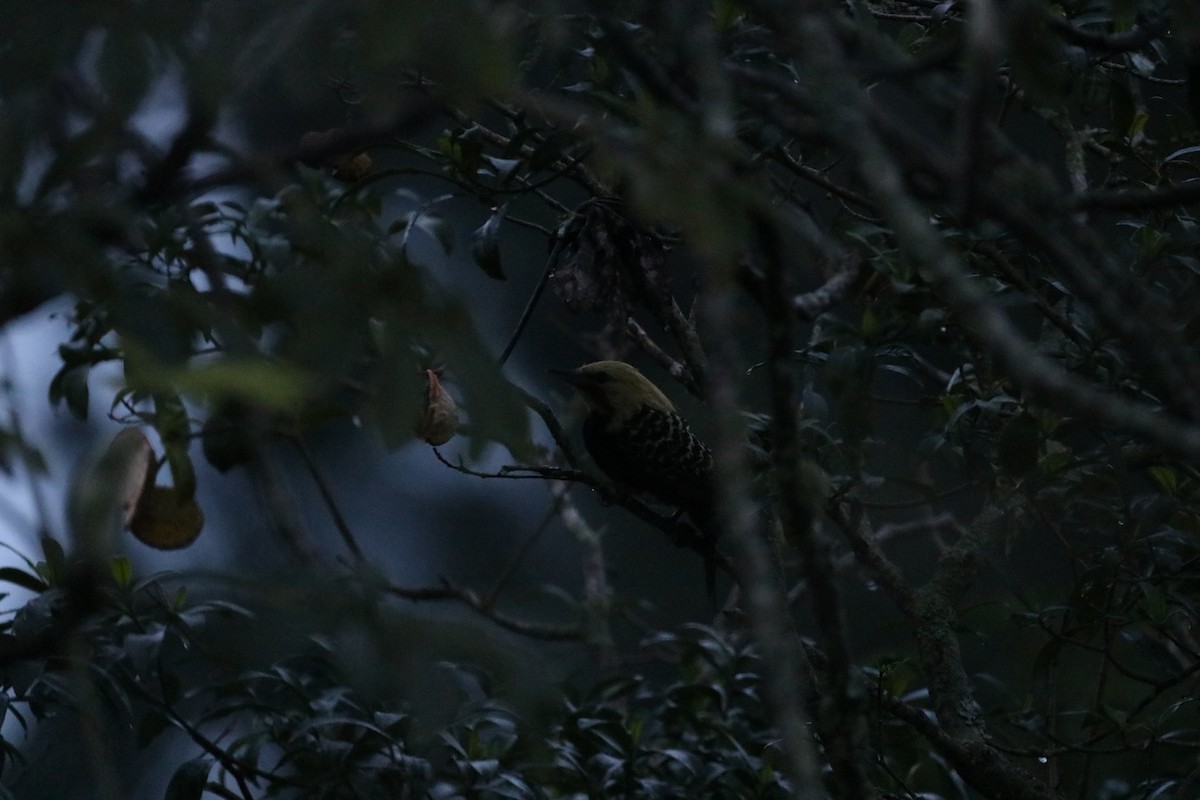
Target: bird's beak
{"type": "Point", "coordinates": [570, 376]}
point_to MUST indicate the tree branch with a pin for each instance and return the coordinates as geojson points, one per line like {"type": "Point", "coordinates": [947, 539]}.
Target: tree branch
{"type": "Point", "coordinates": [468, 598]}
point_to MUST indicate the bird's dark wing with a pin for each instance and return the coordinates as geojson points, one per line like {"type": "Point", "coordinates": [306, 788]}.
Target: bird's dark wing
{"type": "Point", "coordinates": [654, 452]}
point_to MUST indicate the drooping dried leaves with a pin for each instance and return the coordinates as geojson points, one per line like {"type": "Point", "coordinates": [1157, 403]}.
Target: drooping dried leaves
{"type": "Point", "coordinates": [161, 516]}
{"type": "Point", "coordinates": [132, 459]}
{"type": "Point", "coordinates": [165, 519]}
{"type": "Point", "coordinates": [439, 419]}
{"type": "Point", "coordinates": [611, 265]}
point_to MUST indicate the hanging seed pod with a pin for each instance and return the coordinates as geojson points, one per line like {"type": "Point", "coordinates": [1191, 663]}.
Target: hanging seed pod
{"type": "Point", "coordinates": [166, 521]}
{"type": "Point", "coordinates": [439, 421]}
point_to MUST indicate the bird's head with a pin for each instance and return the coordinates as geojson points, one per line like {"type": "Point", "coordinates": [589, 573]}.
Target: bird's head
{"type": "Point", "coordinates": [614, 390]}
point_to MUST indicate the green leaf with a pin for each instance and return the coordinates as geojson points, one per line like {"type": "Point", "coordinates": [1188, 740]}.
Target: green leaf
{"type": "Point", "coordinates": [1183, 151]}
{"type": "Point", "coordinates": [257, 381]}
{"type": "Point", "coordinates": [870, 324]}
{"type": "Point", "coordinates": [19, 577]}
{"type": "Point", "coordinates": [189, 780]}
{"type": "Point", "coordinates": [183, 473]}
{"type": "Point", "coordinates": [1017, 445]}
{"type": "Point", "coordinates": [1045, 668]}
{"type": "Point", "coordinates": [397, 393]}
{"type": "Point", "coordinates": [171, 418]}
{"type": "Point", "coordinates": [463, 148]}
{"type": "Point", "coordinates": [70, 385]}
{"type": "Point", "coordinates": [485, 248]}
{"type": "Point", "coordinates": [228, 437]}
{"type": "Point", "coordinates": [727, 13]}
{"type": "Point", "coordinates": [151, 724]}
{"type": "Point", "coordinates": [56, 560]}
{"type": "Point", "coordinates": [503, 168]}
{"type": "Point", "coordinates": [1139, 122]}
{"type": "Point", "coordinates": [24, 558]}
{"type": "Point", "coordinates": [441, 230]}
{"type": "Point", "coordinates": [1165, 477]}
{"type": "Point", "coordinates": [1154, 606]}
{"type": "Point", "coordinates": [122, 571]}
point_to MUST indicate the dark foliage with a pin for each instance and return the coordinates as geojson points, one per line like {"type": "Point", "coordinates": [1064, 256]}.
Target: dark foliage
{"type": "Point", "coordinates": [936, 261]}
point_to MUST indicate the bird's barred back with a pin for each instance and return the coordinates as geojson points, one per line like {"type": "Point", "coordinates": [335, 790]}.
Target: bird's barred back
{"type": "Point", "coordinates": [667, 439]}
{"type": "Point", "coordinates": [655, 451]}
{"type": "Point", "coordinates": [638, 439]}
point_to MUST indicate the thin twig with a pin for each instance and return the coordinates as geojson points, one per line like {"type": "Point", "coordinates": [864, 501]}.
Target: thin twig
{"type": "Point", "coordinates": [549, 633]}
{"type": "Point", "coordinates": [969, 758]}
{"type": "Point", "coordinates": [676, 368]}
{"type": "Point", "coordinates": [551, 265]}
{"type": "Point", "coordinates": [1143, 76]}
{"type": "Point", "coordinates": [811, 305]}
{"type": "Point", "coordinates": [1013, 274]}
{"type": "Point", "coordinates": [1120, 42]}
{"type": "Point", "coordinates": [518, 472]}
{"type": "Point", "coordinates": [282, 507]}
{"type": "Point", "coordinates": [231, 764]}
{"type": "Point", "coordinates": [867, 551]}
{"type": "Point", "coordinates": [543, 410]}
{"type": "Point", "coordinates": [327, 497]}
{"type": "Point", "coordinates": [489, 598]}
{"type": "Point", "coordinates": [597, 594]}
{"type": "Point", "coordinates": [270, 168]}
{"type": "Point", "coordinates": [1140, 198]}
{"type": "Point", "coordinates": [819, 178]}
{"type": "Point", "coordinates": [572, 167]}
{"type": "Point", "coordinates": [681, 533]}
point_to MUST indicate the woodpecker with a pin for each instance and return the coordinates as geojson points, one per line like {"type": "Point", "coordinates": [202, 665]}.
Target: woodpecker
{"type": "Point", "coordinates": [635, 435]}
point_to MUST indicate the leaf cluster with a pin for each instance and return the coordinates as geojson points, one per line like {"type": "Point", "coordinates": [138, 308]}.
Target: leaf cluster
{"type": "Point", "coordinates": [942, 256]}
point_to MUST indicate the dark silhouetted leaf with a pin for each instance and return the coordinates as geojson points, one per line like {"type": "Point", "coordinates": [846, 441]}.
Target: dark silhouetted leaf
{"type": "Point", "coordinates": [189, 780]}
{"type": "Point", "coordinates": [485, 246]}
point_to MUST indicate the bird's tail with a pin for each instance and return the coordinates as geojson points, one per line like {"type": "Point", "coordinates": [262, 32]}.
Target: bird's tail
{"type": "Point", "coordinates": [710, 532]}
{"type": "Point", "coordinates": [710, 568]}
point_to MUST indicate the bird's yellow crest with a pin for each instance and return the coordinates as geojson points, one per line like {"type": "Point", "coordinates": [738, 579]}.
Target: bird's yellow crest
{"type": "Point", "coordinates": [615, 390]}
